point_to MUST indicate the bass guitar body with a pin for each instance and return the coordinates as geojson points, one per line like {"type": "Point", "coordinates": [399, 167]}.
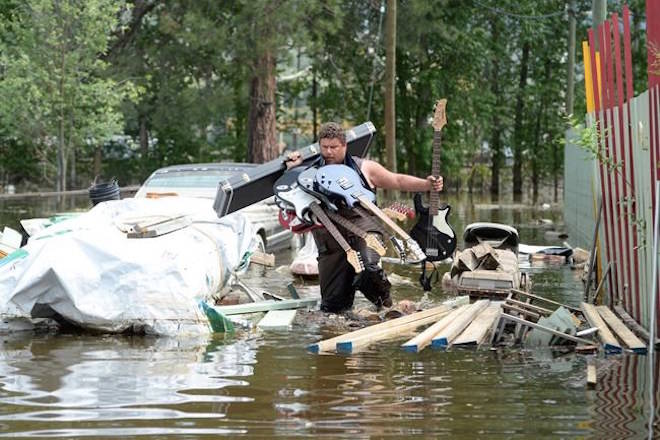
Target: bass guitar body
{"type": "Point", "coordinates": [434, 235]}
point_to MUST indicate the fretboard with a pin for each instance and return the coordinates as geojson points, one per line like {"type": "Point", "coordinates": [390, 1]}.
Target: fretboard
{"type": "Point", "coordinates": [434, 197]}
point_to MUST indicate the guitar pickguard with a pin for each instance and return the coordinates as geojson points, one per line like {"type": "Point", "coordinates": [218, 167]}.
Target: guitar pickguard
{"type": "Point", "coordinates": [434, 234]}
{"type": "Point", "coordinates": [440, 222]}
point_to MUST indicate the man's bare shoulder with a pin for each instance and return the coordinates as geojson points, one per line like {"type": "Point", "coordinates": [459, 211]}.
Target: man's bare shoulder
{"type": "Point", "coordinates": [373, 168]}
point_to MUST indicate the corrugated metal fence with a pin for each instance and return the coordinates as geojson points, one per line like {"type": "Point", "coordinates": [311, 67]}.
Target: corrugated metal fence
{"type": "Point", "coordinates": [621, 172]}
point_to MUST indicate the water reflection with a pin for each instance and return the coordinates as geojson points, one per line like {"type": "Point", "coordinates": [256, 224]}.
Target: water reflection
{"type": "Point", "coordinates": [51, 380]}
{"type": "Point", "coordinates": [266, 385]}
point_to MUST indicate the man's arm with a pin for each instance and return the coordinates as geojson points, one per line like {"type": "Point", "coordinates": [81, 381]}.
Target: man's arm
{"type": "Point", "coordinates": [381, 177]}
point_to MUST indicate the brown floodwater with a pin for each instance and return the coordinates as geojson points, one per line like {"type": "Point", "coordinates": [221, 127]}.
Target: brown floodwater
{"type": "Point", "coordinates": [266, 384]}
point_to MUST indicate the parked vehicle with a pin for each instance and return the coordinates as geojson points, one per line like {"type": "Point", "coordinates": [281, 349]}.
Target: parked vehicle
{"type": "Point", "coordinates": [202, 180]}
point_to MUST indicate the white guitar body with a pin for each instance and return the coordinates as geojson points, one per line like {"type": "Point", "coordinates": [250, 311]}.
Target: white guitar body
{"type": "Point", "coordinates": [440, 222]}
{"type": "Point", "coordinates": [299, 201]}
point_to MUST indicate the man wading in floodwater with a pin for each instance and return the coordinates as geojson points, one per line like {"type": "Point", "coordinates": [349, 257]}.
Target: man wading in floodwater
{"type": "Point", "coordinates": [337, 276]}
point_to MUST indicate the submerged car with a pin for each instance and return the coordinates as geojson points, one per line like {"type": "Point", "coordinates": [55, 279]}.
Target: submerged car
{"type": "Point", "coordinates": [202, 180]}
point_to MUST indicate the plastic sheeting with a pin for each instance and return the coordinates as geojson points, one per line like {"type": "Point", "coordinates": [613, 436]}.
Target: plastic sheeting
{"type": "Point", "coordinates": [86, 271]}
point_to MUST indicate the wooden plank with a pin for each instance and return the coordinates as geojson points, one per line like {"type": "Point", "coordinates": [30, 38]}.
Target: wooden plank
{"type": "Point", "coordinates": [265, 306]}
{"type": "Point", "coordinates": [546, 329]}
{"type": "Point", "coordinates": [623, 332]}
{"type": "Point", "coordinates": [159, 228]}
{"type": "Point", "coordinates": [541, 310]}
{"type": "Point", "coordinates": [277, 320]}
{"type": "Point", "coordinates": [540, 298]}
{"type": "Point", "coordinates": [449, 333]}
{"type": "Point", "coordinates": [633, 325]}
{"type": "Point", "coordinates": [422, 340]}
{"type": "Point", "coordinates": [591, 375]}
{"type": "Point", "coordinates": [358, 342]}
{"type": "Point", "coordinates": [479, 328]}
{"type": "Point", "coordinates": [519, 331]}
{"type": "Point", "coordinates": [262, 258]}
{"type": "Point", "coordinates": [604, 333]}
{"type": "Point", "coordinates": [329, 345]}
{"type": "Point", "coordinates": [521, 311]}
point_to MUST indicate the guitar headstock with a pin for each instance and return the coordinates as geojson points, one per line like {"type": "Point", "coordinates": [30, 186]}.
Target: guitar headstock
{"type": "Point", "coordinates": [375, 244]}
{"type": "Point", "coordinates": [417, 251]}
{"type": "Point", "coordinates": [439, 115]}
{"type": "Point", "coordinates": [355, 260]}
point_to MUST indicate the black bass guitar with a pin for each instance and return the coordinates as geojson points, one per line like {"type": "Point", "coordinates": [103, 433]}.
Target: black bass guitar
{"type": "Point", "coordinates": [432, 231]}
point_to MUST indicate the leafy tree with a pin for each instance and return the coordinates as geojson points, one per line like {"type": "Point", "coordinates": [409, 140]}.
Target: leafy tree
{"type": "Point", "coordinates": [54, 94]}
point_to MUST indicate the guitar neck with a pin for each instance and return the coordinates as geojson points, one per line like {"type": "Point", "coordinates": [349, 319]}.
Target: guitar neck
{"type": "Point", "coordinates": [370, 240]}
{"type": "Point", "coordinates": [434, 196]}
{"type": "Point", "coordinates": [346, 224]}
{"type": "Point", "coordinates": [332, 229]}
{"type": "Point", "coordinates": [366, 203]}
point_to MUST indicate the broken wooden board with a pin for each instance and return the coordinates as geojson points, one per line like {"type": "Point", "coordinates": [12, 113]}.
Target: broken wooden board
{"type": "Point", "coordinates": [329, 345]}
{"type": "Point", "coordinates": [481, 250]}
{"type": "Point", "coordinates": [591, 375]}
{"type": "Point", "coordinates": [604, 334]}
{"type": "Point", "coordinates": [477, 331]}
{"type": "Point", "coordinates": [277, 320]}
{"type": "Point", "coordinates": [623, 332]}
{"type": "Point", "coordinates": [527, 306]}
{"type": "Point", "coordinates": [449, 333]}
{"type": "Point", "coordinates": [517, 309]}
{"type": "Point", "coordinates": [265, 306]}
{"type": "Point", "coordinates": [422, 340]}
{"type": "Point", "coordinates": [549, 330]}
{"type": "Point", "coordinates": [263, 259]}
{"type": "Point", "coordinates": [159, 228]}
{"type": "Point", "coordinates": [634, 325]}
{"type": "Point", "coordinates": [540, 298]}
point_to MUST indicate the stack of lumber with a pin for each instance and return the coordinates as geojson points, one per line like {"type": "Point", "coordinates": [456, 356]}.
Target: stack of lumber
{"type": "Point", "coordinates": [467, 325]}
{"type": "Point", "coordinates": [460, 324]}
{"type": "Point", "coordinates": [392, 329]}
{"type": "Point", "coordinates": [611, 330]}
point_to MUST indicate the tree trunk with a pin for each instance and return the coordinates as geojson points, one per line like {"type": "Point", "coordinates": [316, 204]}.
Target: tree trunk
{"type": "Point", "coordinates": [518, 124]}
{"type": "Point", "coordinates": [74, 177]}
{"type": "Point", "coordinates": [535, 158]}
{"type": "Point", "coordinates": [496, 129]}
{"type": "Point", "coordinates": [262, 131]}
{"type": "Point", "coordinates": [98, 157]}
{"type": "Point", "coordinates": [144, 138]}
{"type": "Point", "coordinates": [570, 79]}
{"type": "Point", "coordinates": [390, 78]}
{"type": "Point", "coordinates": [598, 13]}
{"type": "Point", "coordinates": [314, 108]}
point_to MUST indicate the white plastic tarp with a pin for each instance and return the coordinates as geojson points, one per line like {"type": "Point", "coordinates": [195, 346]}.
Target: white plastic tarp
{"type": "Point", "coordinates": [87, 271]}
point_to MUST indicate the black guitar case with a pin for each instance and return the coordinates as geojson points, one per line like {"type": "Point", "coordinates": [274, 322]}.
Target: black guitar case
{"type": "Point", "coordinates": [257, 184]}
